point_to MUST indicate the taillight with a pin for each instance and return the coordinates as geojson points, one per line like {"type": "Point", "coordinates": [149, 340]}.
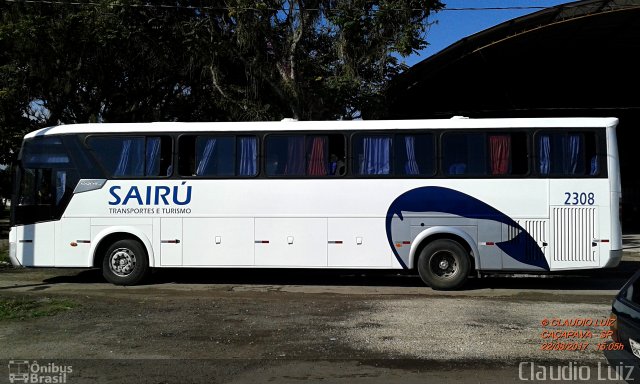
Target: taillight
{"type": "Point", "coordinates": [614, 327]}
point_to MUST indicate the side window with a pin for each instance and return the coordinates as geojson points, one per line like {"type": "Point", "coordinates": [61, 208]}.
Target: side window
{"type": "Point", "coordinates": [372, 154]}
{"type": "Point", "coordinates": [414, 155]}
{"type": "Point", "coordinates": [218, 155]}
{"type": "Point", "coordinates": [493, 154]}
{"type": "Point", "coordinates": [305, 155]}
{"type": "Point", "coordinates": [566, 154]}
{"type": "Point", "coordinates": [464, 154]}
{"type": "Point", "coordinates": [133, 156]}
{"type": "Point", "coordinates": [507, 153]}
{"type": "Point", "coordinates": [215, 156]}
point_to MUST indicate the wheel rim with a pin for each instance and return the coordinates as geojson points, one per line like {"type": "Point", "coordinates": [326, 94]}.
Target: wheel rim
{"type": "Point", "coordinates": [443, 264]}
{"type": "Point", "coordinates": [122, 262]}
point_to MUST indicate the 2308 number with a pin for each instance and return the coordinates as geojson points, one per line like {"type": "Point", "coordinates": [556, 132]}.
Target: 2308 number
{"type": "Point", "coordinates": [575, 198]}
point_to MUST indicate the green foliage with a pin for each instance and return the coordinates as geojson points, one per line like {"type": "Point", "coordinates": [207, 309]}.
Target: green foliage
{"type": "Point", "coordinates": [132, 60]}
{"type": "Point", "coordinates": [24, 308]}
{"type": "Point", "coordinates": [5, 187]}
{"type": "Point", "coordinates": [4, 255]}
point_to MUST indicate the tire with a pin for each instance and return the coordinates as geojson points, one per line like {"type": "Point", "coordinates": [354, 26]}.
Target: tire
{"type": "Point", "coordinates": [444, 264]}
{"type": "Point", "coordinates": [125, 263]}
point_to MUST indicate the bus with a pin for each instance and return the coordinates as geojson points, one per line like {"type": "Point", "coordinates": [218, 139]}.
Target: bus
{"type": "Point", "coordinates": [446, 198]}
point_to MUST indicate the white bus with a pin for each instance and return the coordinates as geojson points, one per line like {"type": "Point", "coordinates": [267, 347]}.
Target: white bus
{"type": "Point", "coordinates": [447, 198]}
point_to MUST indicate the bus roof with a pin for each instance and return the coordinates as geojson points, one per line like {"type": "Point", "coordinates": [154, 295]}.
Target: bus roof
{"type": "Point", "coordinates": [343, 125]}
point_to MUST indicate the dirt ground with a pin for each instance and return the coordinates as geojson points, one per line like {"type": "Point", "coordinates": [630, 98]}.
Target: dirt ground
{"type": "Point", "coordinates": [235, 326]}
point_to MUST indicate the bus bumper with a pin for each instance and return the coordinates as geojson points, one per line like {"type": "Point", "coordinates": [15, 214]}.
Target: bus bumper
{"type": "Point", "coordinates": [13, 248]}
{"type": "Point", "coordinates": [614, 258]}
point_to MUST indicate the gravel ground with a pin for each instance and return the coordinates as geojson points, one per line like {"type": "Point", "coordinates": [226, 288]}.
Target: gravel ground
{"type": "Point", "coordinates": [467, 329]}
{"type": "Point", "coordinates": [300, 326]}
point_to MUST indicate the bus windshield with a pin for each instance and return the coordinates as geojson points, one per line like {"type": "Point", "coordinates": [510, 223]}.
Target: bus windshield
{"type": "Point", "coordinates": [44, 180]}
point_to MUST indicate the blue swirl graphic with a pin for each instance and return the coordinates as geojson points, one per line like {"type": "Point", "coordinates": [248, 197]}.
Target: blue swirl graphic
{"type": "Point", "coordinates": [522, 248]}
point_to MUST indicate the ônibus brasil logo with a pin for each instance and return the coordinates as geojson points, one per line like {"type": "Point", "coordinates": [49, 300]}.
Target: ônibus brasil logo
{"type": "Point", "coordinates": [24, 371]}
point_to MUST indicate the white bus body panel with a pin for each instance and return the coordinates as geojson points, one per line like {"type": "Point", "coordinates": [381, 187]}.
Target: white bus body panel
{"type": "Point", "coordinates": [357, 242]}
{"type": "Point", "coordinates": [35, 244]}
{"type": "Point", "coordinates": [223, 242]}
{"type": "Point", "coordinates": [171, 242]}
{"type": "Point", "coordinates": [73, 242]}
{"type": "Point", "coordinates": [576, 231]}
{"type": "Point", "coordinates": [325, 228]}
{"type": "Point", "coordinates": [291, 242]}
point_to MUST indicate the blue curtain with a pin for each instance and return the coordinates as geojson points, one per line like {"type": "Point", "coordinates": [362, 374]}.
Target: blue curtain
{"type": "Point", "coordinates": [573, 151]}
{"type": "Point", "coordinates": [207, 154]}
{"type": "Point", "coordinates": [411, 166]}
{"type": "Point", "coordinates": [248, 156]}
{"type": "Point", "coordinates": [131, 158]}
{"type": "Point", "coordinates": [153, 156]}
{"type": "Point", "coordinates": [545, 154]}
{"type": "Point", "coordinates": [375, 157]}
{"type": "Point", "coordinates": [595, 165]}
{"type": "Point", "coordinates": [295, 156]}
{"type": "Point", "coordinates": [61, 184]}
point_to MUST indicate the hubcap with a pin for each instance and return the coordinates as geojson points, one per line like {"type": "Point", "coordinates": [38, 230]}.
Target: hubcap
{"type": "Point", "coordinates": [122, 262]}
{"type": "Point", "coordinates": [443, 264]}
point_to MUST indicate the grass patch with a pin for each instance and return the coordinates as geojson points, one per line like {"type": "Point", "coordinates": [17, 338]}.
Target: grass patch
{"type": "Point", "coordinates": [24, 308]}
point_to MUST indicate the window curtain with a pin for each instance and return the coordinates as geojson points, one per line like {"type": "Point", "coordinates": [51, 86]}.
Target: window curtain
{"type": "Point", "coordinates": [545, 154]}
{"type": "Point", "coordinates": [317, 163]}
{"type": "Point", "coordinates": [131, 158]}
{"type": "Point", "coordinates": [595, 165]}
{"type": "Point", "coordinates": [207, 154]}
{"type": "Point", "coordinates": [295, 156]}
{"type": "Point", "coordinates": [375, 157]}
{"type": "Point", "coordinates": [411, 166]}
{"type": "Point", "coordinates": [500, 150]}
{"type": "Point", "coordinates": [248, 156]}
{"type": "Point", "coordinates": [153, 156]}
{"type": "Point", "coordinates": [572, 150]}
{"type": "Point", "coordinates": [61, 184]}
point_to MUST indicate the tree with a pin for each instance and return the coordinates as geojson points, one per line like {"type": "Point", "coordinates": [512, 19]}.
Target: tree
{"type": "Point", "coordinates": [132, 60]}
{"type": "Point", "coordinates": [5, 188]}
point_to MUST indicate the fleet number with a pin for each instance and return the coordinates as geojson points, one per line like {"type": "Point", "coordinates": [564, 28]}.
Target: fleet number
{"type": "Point", "coordinates": [582, 198]}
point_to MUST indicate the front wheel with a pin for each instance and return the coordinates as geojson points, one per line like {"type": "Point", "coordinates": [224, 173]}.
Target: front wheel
{"type": "Point", "coordinates": [444, 264]}
{"type": "Point", "coordinates": [125, 263]}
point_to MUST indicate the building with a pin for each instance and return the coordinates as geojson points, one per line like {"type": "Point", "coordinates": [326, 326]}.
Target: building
{"type": "Point", "coordinates": [575, 59]}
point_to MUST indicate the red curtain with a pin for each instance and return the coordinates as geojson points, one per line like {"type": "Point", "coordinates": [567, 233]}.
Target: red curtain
{"type": "Point", "coordinates": [317, 163]}
{"type": "Point", "coordinates": [500, 148]}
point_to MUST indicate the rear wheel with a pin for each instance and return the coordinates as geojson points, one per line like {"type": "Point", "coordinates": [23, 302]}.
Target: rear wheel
{"type": "Point", "coordinates": [125, 263]}
{"type": "Point", "coordinates": [444, 264]}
